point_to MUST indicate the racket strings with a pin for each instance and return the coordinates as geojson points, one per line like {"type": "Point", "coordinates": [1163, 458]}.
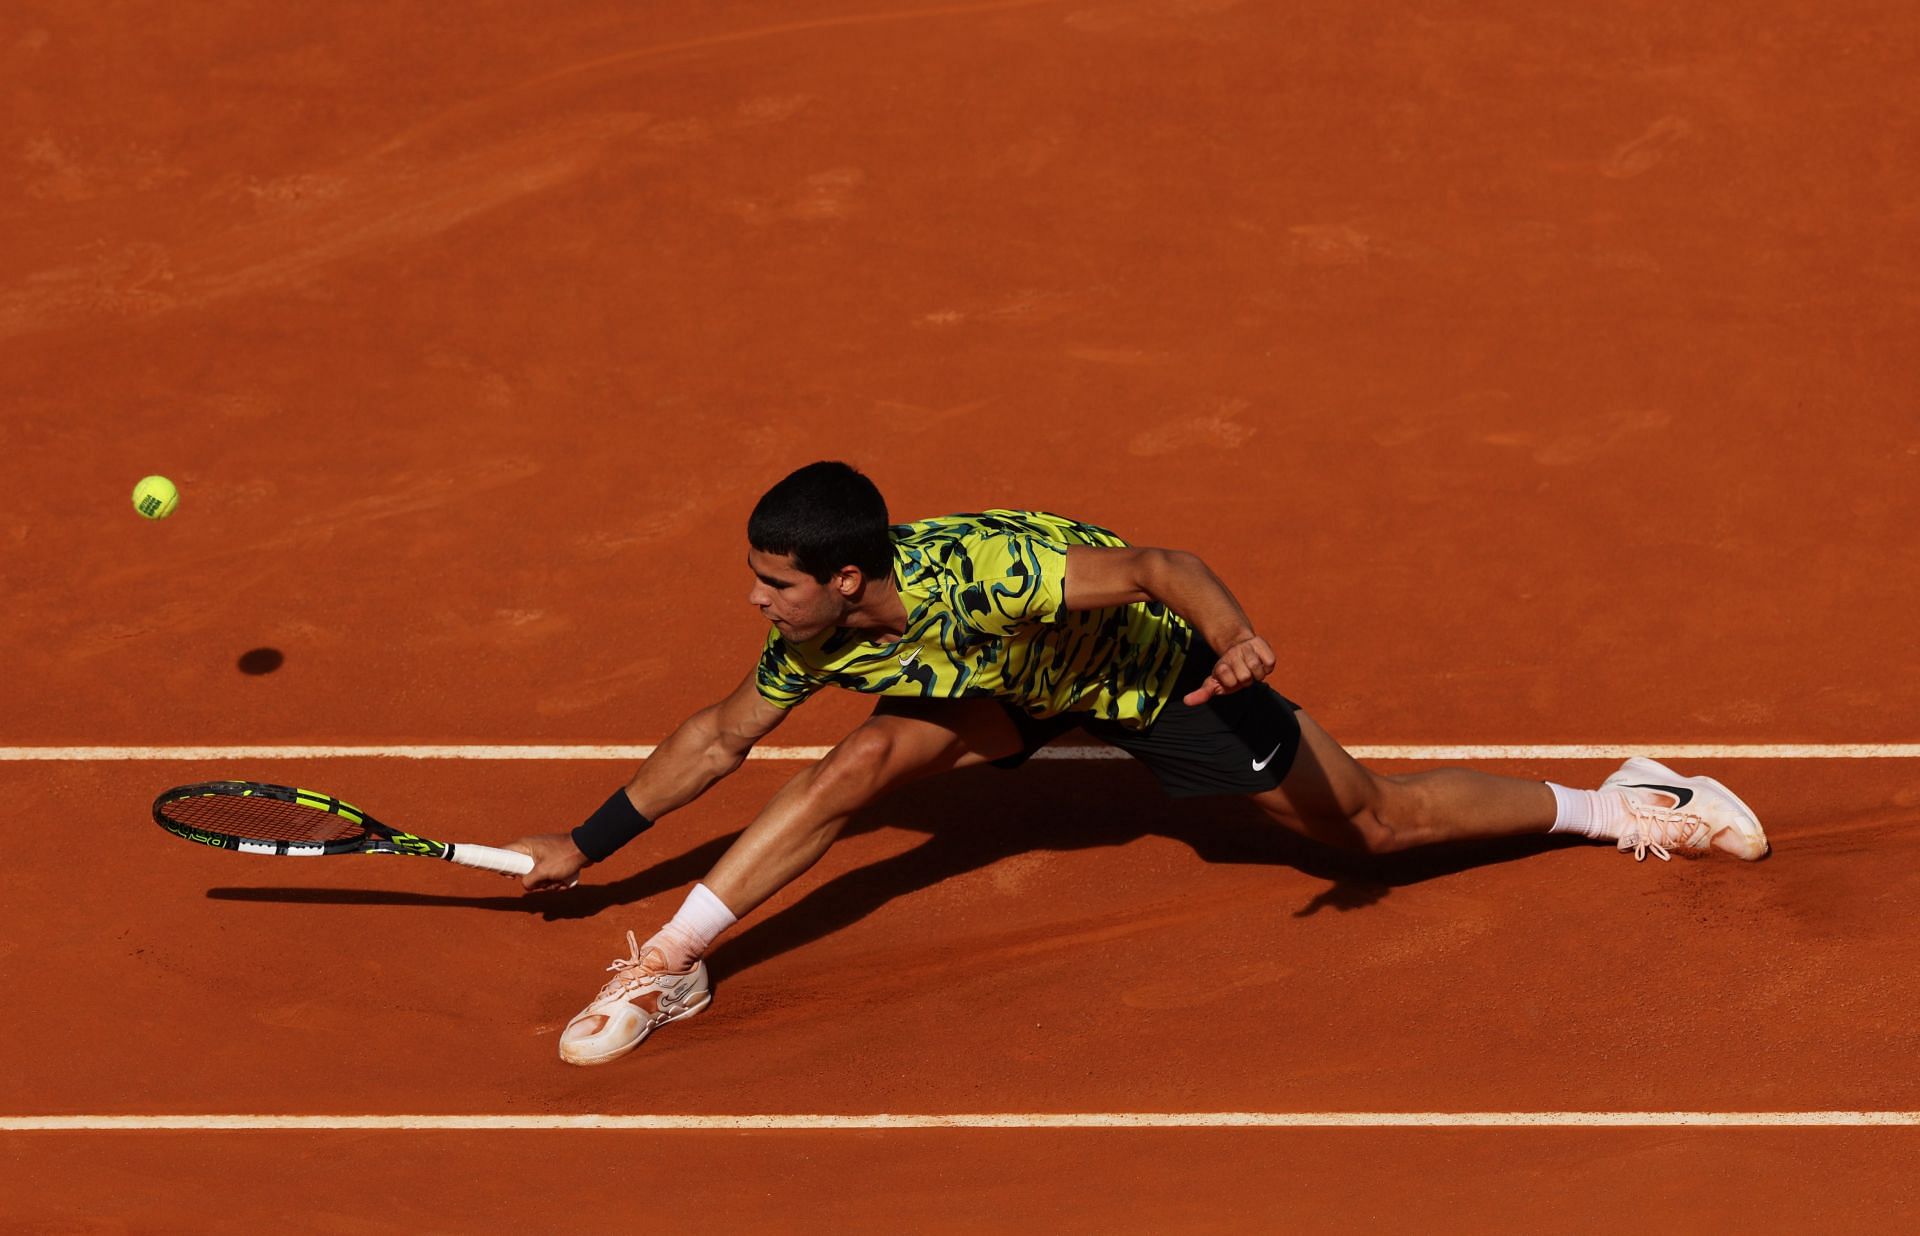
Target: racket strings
{"type": "Point", "coordinates": [259, 818]}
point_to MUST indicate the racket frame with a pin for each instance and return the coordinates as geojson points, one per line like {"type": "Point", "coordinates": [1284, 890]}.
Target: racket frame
{"type": "Point", "coordinates": [375, 837]}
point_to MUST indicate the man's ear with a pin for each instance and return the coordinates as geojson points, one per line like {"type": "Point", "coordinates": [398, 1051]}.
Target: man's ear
{"type": "Point", "coordinates": [848, 580]}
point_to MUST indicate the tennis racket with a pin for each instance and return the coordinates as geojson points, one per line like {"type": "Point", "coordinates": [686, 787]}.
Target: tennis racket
{"type": "Point", "coordinates": [254, 818]}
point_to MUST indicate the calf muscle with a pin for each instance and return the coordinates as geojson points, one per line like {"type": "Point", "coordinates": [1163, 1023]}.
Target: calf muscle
{"type": "Point", "coordinates": [898, 744]}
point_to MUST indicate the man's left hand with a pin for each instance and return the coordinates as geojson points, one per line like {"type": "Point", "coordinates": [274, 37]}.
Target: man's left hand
{"type": "Point", "coordinates": [1238, 668]}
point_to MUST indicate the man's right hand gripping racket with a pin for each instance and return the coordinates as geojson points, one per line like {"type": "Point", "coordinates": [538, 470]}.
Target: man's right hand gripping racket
{"type": "Point", "coordinates": [254, 818]}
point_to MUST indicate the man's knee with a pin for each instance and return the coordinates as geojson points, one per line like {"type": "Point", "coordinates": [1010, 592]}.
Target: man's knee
{"type": "Point", "coordinates": [1375, 817]}
{"type": "Point", "coordinates": [861, 764]}
{"type": "Point", "coordinates": [1393, 817]}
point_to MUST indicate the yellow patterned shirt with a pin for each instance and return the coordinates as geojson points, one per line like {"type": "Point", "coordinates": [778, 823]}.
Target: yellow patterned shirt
{"type": "Point", "coordinates": [986, 616]}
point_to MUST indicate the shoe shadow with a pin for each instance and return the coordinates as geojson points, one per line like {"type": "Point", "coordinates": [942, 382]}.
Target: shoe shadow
{"type": "Point", "coordinates": [972, 820]}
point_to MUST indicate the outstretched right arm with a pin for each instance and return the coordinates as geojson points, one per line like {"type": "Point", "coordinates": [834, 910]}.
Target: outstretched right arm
{"type": "Point", "coordinates": [708, 746]}
{"type": "Point", "coordinates": [705, 748]}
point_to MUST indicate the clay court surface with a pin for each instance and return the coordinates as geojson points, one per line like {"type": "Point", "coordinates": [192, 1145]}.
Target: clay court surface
{"type": "Point", "coordinates": [1534, 375]}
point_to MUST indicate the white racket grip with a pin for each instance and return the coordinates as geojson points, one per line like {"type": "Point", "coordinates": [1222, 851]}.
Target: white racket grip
{"type": "Point", "coordinates": [487, 858]}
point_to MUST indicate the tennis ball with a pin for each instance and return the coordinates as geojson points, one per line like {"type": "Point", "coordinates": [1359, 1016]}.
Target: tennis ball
{"type": "Point", "coordinates": [155, 497]}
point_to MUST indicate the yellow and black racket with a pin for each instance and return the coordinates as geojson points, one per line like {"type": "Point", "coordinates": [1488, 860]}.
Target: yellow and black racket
{"type": "Point", "coordinates": [254, 818]}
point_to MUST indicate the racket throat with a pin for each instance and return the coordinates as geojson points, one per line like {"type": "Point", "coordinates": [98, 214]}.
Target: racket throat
{"type": "Point", "coordinates": [407, 843]}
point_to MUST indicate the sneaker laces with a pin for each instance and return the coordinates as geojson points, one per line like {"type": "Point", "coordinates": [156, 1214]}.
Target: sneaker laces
{"type": "Point", "coordinates": [629, 971]}
{"type": "Point", "coordinates": [1658, 828]}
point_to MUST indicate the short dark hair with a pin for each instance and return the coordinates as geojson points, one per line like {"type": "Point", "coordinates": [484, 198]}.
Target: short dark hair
{"type": "Point", "coordinates": [827, 515]}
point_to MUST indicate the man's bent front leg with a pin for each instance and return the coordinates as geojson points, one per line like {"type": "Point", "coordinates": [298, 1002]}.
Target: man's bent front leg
{"type": "Point", "coordinates": [665, 980]}
{"type": "Point", "coordinates": [901, 742]}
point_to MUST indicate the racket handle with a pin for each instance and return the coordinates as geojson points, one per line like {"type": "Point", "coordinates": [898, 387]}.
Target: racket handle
{"type": "Point", "coordinates": [487, 858]}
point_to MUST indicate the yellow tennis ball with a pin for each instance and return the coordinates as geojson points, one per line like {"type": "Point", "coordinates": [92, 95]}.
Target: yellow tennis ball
{"type": "Point", "coordinates": [155, 497]}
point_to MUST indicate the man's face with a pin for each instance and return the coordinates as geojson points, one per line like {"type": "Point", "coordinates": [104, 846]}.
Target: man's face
{"type": "Point", "coordinates": [798, 605]}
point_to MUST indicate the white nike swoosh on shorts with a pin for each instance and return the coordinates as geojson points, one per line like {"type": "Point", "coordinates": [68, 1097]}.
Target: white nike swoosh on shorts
{"type": "Point", "coordinates": [1260, 764]}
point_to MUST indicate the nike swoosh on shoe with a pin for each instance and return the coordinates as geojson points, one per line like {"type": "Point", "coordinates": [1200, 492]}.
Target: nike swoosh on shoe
{"type": "Point", "coordinates": [1681, 794]}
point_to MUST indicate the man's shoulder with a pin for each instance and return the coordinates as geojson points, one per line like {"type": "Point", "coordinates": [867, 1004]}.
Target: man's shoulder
{"type": "Point", "coordinates": [993, 570]}
{"type": "Point", "coordinates": [955, 532]}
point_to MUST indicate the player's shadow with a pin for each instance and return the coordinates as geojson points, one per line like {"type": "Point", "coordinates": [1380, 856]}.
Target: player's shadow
{"type": "Point", "coordinates": [972, 820]}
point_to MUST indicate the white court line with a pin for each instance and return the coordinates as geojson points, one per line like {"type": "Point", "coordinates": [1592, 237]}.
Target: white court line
{"type": "Point", "coordinates": [1003, 1120]}
{"type": "Point", "coordinates": [1538, 751]}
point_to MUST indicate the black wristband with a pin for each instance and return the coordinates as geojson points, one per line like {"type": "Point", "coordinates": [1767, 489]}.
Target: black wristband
{"type": "Point", "coordinates": [617, 822]}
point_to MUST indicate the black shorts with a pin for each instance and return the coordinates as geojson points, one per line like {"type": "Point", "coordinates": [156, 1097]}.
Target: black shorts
{"type": "Point", "coordinates": [1242, 743]}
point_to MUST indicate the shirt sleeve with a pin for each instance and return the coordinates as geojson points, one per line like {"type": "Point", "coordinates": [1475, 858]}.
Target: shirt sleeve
{"type": "Point", "coordinates": [1014, 580]}
{"type": "Point", "coordinates": [781, 677]}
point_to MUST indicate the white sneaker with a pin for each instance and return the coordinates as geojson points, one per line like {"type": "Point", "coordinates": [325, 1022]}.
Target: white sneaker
{"type": "Point", "coordinates": [640, 998]}
{"type": "Point", "coordinates": [1668, 811]}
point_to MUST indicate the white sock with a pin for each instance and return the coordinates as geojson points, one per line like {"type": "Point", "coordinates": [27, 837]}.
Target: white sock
{"type": "Point", "coordinates": [690, 933]}
{"type": "Point", "coordinates": [1590, 813]}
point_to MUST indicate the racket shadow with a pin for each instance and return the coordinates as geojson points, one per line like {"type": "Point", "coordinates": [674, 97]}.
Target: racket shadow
{"type": "Point", "coordinates": [669, 875]}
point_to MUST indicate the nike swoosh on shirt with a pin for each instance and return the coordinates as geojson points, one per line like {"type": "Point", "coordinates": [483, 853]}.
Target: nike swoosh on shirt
{"type": "Point", "coordinates": [1258, 765]}
{"type": "Point", "coordinates": [908, 657]}
{"type": "Point", "coordinates": [1680, 792]}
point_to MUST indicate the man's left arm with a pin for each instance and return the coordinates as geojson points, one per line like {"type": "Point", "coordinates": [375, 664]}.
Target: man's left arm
{"type": "Point", "coordinates": [1100, 578]}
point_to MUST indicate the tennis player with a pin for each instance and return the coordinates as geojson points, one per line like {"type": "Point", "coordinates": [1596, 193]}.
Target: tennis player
{"type": "Point", "coordinates": [985, 637]}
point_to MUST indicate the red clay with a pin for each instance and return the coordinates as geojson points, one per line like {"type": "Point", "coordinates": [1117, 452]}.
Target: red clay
{"type": "Point", "coordinates": [1532, 376]}
{"type": "Point", "coordinates": [946, 958]}
{"type": "Point", "coordinates": [1328, 1181]}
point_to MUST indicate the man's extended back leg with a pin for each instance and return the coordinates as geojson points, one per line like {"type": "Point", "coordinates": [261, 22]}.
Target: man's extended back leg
{"type": "Point", "coordinates": [1333, 798]}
